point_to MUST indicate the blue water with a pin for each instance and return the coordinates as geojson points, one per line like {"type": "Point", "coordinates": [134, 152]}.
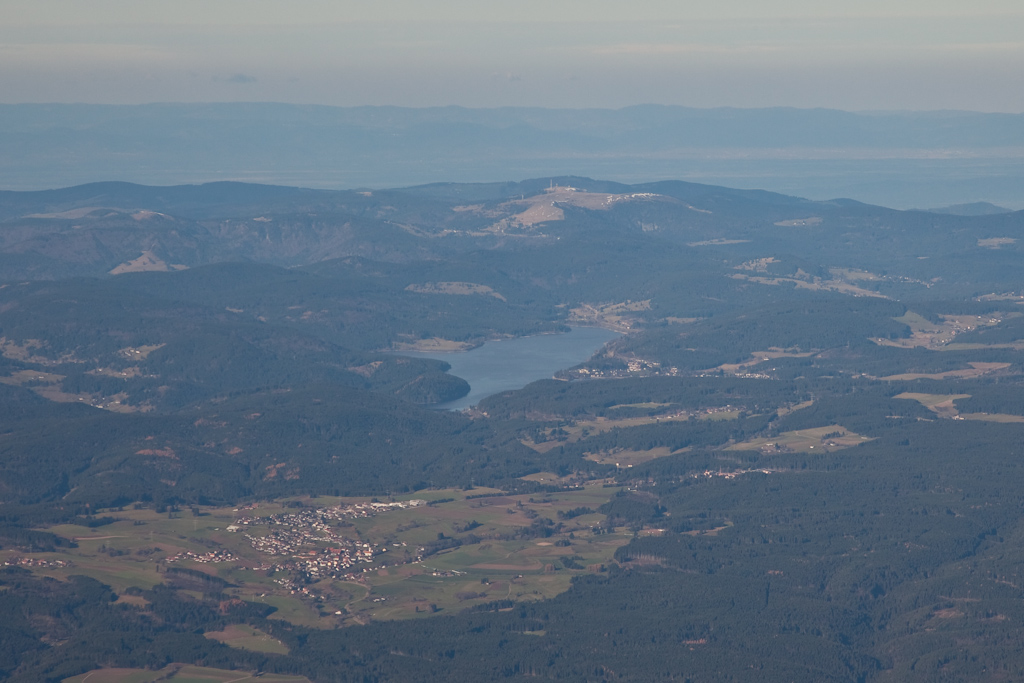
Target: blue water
{"type": "Point", "coordinates": [513, 363]}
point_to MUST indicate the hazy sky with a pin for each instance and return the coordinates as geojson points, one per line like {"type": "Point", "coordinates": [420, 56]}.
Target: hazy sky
{"type": "Point", "coordinates": [853, 54]}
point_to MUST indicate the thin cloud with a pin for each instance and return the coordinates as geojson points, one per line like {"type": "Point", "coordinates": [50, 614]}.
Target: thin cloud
{"type": "Point", "coordinates": [678, 49]}
{"type": "Point", "coordinates": [241, 79]}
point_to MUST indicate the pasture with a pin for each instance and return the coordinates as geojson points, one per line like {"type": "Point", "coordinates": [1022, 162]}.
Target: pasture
{"type": "Point", "coordinates": [823, 439]}
{"type": "Point", "coordinates": [462, 548]}
{"type": "Point", "coordinates": [248, 638]}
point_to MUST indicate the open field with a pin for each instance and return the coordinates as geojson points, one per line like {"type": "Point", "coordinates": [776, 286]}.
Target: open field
{"type": "Point", "coordinates": [976, 370]}
{"type": "Point", "coordinates": [828, 439]}
{"type": "Point", "coordinates": [455, 288]}
{"type": "Point", "coordinates": [649, 405]}
{"type": "Point", "coordinates": [513, 568]}
{"type": "Point", "coordinates": [527, 212]}
{"type": "Point", "coordinates": [581, 429]}
{"type": "Point", "coordinates": [842, 281]}
{"type": "Point", "coordinates": [965, 346]}
{"type": "Point", "coordinates": [432, 344]}
{"type": "Point", "coordinates": [180, 673]}
{"type": "Point", "coordinates": [758, 357]}
{"type": "Point", "coordinates": [620, 317]}
{"type": "Point", "coordinates": [786, 410]}
{"type": "Point", "coordinates": [248, 638]}
{"type": "Point", "coordinates": [146, 262]}
{"type": "Point", "coordinates": [942, 405]}
{"type": "Point", "coordinates": [544, 207]}
{"type": "Point", "coordinates": [627, 458]}
{"type": "Point", "coordinates": [465, 548]}
{"type": "Point", "coordinates": [550, 478]}
{"type": "Point", "coordinates": [932, 401]}
{"type": "Point", "coordinates": [799, 222]}
{"type": "Point", "coordinates": [992, 417]}
{"type": "Point", "coordinates": [715, 243]}
{"type": "Point", "coordinates": [925, 333]}
{"type": "Point", "coordinates": [31, 377]}
{"type": "Point", "coordinates": [996, 242]}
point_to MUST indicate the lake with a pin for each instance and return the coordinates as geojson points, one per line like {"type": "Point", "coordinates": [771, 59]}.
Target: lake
{"type": "Point", "coordinates": [513, 363]}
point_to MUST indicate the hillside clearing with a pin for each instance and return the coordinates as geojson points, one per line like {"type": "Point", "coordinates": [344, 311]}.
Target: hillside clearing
{"type": "Point", "coordinates": [826, 439]}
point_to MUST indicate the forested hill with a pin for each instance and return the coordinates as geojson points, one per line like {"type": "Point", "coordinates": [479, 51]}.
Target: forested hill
{"type": "Point", "coordinates": [118, 227]}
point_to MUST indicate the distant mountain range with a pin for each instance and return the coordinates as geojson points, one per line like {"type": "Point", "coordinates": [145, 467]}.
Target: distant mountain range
{"type": "Point", "coordinates": [972, 209]}
{"type": "Point", "coordinates": [900, 159]}
{"type": "Point", "coordinates": [114, 227]}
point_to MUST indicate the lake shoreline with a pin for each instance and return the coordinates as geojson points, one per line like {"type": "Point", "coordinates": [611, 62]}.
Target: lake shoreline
{"type": "Point", "coordinates": [511, 363]}
{"type": "Point", "coordinates": [463, 347]}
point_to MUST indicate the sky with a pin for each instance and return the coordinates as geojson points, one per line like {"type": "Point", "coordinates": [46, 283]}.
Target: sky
{"type": "Point", "coordinates": [859, 56]}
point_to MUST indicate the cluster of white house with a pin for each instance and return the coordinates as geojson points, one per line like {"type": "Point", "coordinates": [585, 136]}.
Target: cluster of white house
{"type": "Point", "coordinates": [322, 517]}
{"type": "Point", "coordinates": [308, 530]}
{"type": "Point", "coordinates": [35, 562]}
{"type": "Point", "coordinates": [203, 558]}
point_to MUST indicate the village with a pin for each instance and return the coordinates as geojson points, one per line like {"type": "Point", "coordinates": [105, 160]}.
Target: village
{"type": "Point", "coordinates": [213, 556]}
{"type": "Point", "coordinates": [36, 562]}
{"type": "Point", "coordinates": [638, 367]}
{"type": "Point", "coordinates": [321, 517]}
{"type": "Point", "coordinates": [308, 530]}
{"type": "Point", "coordinates": [635, 367]}
{"type": "Point", "coordinates": [732, 474]}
